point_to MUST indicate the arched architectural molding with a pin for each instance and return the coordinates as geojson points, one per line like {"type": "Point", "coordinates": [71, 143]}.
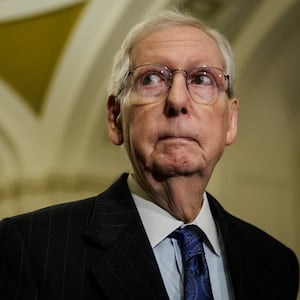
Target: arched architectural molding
{"type": "Point", "coordinates": [55, 151]}
{"type": "Point", "coordinates": [98, 35]}
{"type": "Point", "coordinates": [19, 128]}
{"type": "Point", "coordinates": [258, 27]}
{"type": "Point", "coordinates": [258, 179]}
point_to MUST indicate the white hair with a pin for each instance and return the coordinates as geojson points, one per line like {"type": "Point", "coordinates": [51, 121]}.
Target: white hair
{"type": "Point", "coordinates": [169, 18]}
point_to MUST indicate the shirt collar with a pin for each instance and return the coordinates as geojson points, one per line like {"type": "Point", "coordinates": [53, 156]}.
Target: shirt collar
{"type": "Point", "coordinates": [158, 223]}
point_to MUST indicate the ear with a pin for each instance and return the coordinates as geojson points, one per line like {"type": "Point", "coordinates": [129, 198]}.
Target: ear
{"type": "Point", "coordinates": [113, 121]}
{"type": "Point", "coordinates": [233, 107]}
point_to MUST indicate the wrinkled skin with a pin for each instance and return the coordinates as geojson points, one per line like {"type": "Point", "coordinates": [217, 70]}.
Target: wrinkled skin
{"type": "Point", "coordinates": [175, 143]}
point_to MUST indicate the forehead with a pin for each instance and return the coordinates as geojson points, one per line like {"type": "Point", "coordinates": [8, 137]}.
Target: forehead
{"type": "Point", "coordinates": [177, 45]}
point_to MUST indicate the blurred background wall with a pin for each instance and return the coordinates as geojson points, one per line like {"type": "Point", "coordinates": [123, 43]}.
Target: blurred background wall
{"type": "Point", "coordinates": [55, 60]}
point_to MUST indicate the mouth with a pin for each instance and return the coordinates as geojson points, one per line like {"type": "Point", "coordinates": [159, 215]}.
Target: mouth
{"type": "Point", "coordinates": [177, 138]}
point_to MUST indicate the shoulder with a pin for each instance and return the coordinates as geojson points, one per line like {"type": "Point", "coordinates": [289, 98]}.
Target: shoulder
{"type": "Point", "coordinates": [249, 249]}
{"type": "Point", "coordinates": [76, 213]}
{"type": "Point", "coordinates": [249, 235]}
{"type": "Point", "coordinates": [45, 217]}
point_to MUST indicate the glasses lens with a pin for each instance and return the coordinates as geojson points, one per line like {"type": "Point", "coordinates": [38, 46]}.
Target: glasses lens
{"type": "Point", "coordinates": [205, 83]}
{"type": "Point", "coordinates": [150, 82]}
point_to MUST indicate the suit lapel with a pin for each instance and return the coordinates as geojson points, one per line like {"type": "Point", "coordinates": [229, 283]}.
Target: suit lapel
{"type": "Point", "coordinates": [233, 248]}
{"type": "Point", "coordinates": [241, 256]}
{"type": "Point", "coordinates": [126, 268]}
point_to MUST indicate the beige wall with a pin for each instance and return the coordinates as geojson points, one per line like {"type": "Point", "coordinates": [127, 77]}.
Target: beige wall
{"type": "Point", "coordinates": [259, 174]}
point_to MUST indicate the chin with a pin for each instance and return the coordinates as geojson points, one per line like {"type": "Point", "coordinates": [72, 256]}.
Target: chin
{"type": "Point", "coordinates": [167, 170]}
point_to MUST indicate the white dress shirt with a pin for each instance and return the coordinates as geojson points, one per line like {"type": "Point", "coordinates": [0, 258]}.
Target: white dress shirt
{"type": "Point", "coordinates": [158, 224]}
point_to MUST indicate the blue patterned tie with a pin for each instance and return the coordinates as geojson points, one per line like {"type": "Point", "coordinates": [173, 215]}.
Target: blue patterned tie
{"type": "Point", "coordinates": [196, 275]}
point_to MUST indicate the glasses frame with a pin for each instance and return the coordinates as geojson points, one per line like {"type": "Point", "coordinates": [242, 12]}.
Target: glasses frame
{"type": "Point", "coordinates": [171, 73]}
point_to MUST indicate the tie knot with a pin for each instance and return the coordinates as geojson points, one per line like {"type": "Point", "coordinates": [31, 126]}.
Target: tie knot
{"type": "Point", "coordinates": [190, 240]}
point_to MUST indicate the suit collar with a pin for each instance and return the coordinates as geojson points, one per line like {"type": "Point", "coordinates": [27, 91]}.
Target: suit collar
{"type": "Point", "coordinates": [113, 212]}
{"type": "Point", "coordinates": [228, 243]}
{"type": "Point", "coordinates": [242, 255]}
{"type": "Point", "coordinates": [126, 267]}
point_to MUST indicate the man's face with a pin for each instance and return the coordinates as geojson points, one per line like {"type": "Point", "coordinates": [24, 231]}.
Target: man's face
{"type": "Point", "coordinates": [176, 136]}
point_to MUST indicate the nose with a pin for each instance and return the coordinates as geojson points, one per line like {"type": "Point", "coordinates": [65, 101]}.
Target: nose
{"type": "Point", "coordinates": [177, 99]}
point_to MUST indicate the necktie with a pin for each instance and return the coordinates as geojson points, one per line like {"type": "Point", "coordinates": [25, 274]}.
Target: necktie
{"type": "Point", "coordinates": [196, 276]}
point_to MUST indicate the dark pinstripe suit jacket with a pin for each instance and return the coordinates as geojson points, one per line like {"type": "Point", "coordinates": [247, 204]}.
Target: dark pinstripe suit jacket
{"type": "Point", "coordinates": [97, 249]}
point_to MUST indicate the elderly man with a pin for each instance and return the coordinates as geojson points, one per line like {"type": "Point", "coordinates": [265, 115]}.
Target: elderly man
{"type": "Point", "coordinates": [155, 234]}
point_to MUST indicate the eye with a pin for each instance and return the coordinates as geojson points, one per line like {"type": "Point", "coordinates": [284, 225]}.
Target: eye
{"type": "Point", "coordinates": [201, 78]}
{"type": "Point", "coordinates": [150, 78]}
{"type": "Point", "coordinates": [150, 81]}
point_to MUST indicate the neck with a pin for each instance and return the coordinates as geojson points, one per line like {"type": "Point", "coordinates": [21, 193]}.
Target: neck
{"type": "Point", "coordinates": [181, 196]}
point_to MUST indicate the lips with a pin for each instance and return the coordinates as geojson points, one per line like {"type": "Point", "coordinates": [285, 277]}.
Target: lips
{"type": "Point", "coordinates": [178, 138]}
{"type": "Point", "coordinates": [169, 137]}
{"type": "Point", "coordinates": [180, 132]}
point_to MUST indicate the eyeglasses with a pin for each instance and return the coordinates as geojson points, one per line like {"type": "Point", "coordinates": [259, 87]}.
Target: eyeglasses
{"type": "Point", "coordinates": [151, 82]}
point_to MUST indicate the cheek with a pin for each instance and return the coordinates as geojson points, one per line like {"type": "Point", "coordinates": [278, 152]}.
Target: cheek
{"type": "Point", "coordinates": [139, 130]}
{"type": "Point", "coordinates": [216, 125]}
